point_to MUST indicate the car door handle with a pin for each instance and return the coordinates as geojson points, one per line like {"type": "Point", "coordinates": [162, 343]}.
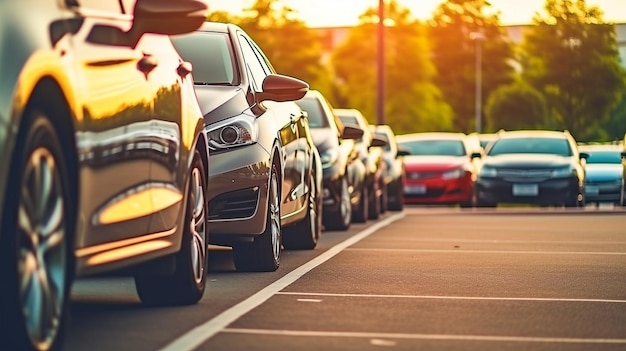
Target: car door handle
{"type": "Point", "coordinates": [184, 69]}
{"type": "Point", "coordinates": [147, 63]}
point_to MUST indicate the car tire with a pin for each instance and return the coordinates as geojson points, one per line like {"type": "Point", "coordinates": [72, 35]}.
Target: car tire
{"type": "Point", "coordinates": [186, 285]}
{"type": "Point", "coordinates": [35, 254]}
{"type": "Point", "coordinates": [361, 214]}
{"type": "Point", "coordinates": [397, 204]}
{"type": "Point", "coordinates": [340, 220]}
{"type": "Point", "coordinates": [471, 202]}
{"type": "Point", "coordinates": [263, 253]}
{"type": "Point", "coordinates": [373, 212]}
{"type": "Point", "coordinates": [305, 234]}
{"type": "Point", "coordinates": [384, 198]}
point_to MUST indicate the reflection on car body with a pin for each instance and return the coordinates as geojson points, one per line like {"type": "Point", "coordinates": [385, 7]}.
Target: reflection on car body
{"type": "Point", "coordinates": [103, 162]}
{"type": "Point", "coordinates": [265, 173]}
{"type": "Point", "coordinates": [343, 171]}
{"type": "Point", "coordinates": [369, 151]}
{"type": "Point", "coordinates": [395, 171]}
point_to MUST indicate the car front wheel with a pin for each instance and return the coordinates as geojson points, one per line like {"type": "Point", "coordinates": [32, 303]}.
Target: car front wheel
{"type": "Point", "coordinates": [304, 234]}
{"type": "Point", "coordinates": [187, 284]}
{"type": "Point", "coordinates": [263, 254]}
{"type": "Point", "coordinates": [34, 246]}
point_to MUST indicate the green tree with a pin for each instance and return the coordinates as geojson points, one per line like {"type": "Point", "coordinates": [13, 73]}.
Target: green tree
{"type": "Point", "coordinates": [614, 127]}
{"type": "Point", "coordinates": [291, 47]}
{"type": "Point", "coordinates": [515, 106]}
{"type": "Point", "coordinates": [412, 102]}
{"type": "Point", "coordinates": [571, 56]}
{"type": "Point", "coordinates": [457, 29]}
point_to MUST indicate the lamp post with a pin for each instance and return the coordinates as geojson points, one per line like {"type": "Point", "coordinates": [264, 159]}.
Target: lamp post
{"type": "Point", "coordinates": [380, 61]}
{"type": "Point", "coordinates": [478, 37]}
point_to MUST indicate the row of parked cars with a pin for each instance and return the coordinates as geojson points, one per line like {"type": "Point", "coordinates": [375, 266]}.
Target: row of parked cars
{"type": "Point", "coordinates": [131, 129]}
{"type": "Point", "coordinates": [539, 167]}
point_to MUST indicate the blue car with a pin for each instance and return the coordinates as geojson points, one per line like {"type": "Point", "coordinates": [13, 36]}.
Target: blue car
{"type": "Point", "coordinates": [605, 174]}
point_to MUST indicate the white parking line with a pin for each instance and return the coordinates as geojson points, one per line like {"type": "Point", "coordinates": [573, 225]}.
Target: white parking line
{"type": "Point", "coordinates": [507, 252]}
{"type": "Point", "coordinates": [205, 331]}
{"type": "Point", "coordinates": [424, 336]}
{"type": "Point", "coordinates": [438, 297]}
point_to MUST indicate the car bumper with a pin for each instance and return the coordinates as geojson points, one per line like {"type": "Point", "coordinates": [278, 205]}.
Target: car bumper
{"type": "Point", "coordinates": [438, 191]}
{"type": "Point", "coordinates": [238, 188]}
{"type": "Point", "coordinates": [331, 182]}
{"type": "Point", "coordinates": [603, 191]}
{"type": "Point", "coordinates": [548, 192]}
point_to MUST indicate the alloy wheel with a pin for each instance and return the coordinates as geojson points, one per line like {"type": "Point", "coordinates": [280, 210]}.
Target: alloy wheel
{"type": "Point", "coordinates": [42, 260]}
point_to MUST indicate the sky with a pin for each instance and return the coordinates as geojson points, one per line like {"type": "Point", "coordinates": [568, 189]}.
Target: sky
{"type": "Point", "coordinates": [330, 13]}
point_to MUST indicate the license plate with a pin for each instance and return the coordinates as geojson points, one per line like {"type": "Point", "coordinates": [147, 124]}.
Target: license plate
{"type": "Point", "coordinates": [525, 190]}
{"type": "Point", "coordinates": [592, 190]}
{"type": "Point", "coordinates": [415, 189]}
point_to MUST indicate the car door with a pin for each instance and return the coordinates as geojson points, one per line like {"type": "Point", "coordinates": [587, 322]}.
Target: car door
{"type": "Point", "coordinates": [117, 108]}
{"type": "Point", "coordinates": [286, 116]}
{"type": "Point", "coordinates": [172, 93]}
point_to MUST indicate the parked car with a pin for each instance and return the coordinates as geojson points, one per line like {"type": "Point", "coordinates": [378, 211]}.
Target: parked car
{"type": "Point", "coordinates": [440, 168]}
{"type": "Point", "coordinates": [604, 181]}
{"type": "Point", "coordinates": [532, 167]}
{"type": "Point", "coordinates": [343, 170]}
{"type": "Point", "coordinates": [103, 158]}
{"type": "Point", "coordinates": [266, 172]}
{"type": "Point", "coordinates": [370, 152]}
{"type": "Point", "coordinates": [394, 170]}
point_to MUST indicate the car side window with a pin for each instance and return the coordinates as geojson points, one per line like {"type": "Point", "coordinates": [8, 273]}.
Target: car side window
{"type": "Point", "coordinates": [255, 68]}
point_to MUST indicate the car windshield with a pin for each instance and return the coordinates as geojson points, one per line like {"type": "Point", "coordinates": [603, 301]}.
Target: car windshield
{"type": "Point", "coordinates": [314, 111]}
{"type": "Point", "coordinates": [434, 147]}
{"type": "Point", "coordinates": [531, 145]}
{"type": "Point", "coordinates": [604, 156]}
{"type": "Point", "coordinates": [349, 119]}
{"type": "Point", "coordinates": [210, 55]}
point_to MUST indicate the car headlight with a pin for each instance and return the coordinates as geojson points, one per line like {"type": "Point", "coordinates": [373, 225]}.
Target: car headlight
{"type": "Point", "coordinates": [563, 172]}
{"type": "Point", "coordinates": [457, 173]}
{"type": "Point", "coordinates": [488, 172]}
{"type": "Point", "coordinates": [233, 132]}
{"type": "Point", "coordinates": [329, 157]}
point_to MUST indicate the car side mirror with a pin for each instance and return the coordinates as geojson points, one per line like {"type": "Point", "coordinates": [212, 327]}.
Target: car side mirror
{"type": "Point", "coordinates": [403, 152]}
{"type": "Point", "coordinates": [583, 155]}
{"type": "Point", "coordinates": [351, 131]}
{"type": "Point", "coordinates": [278, 87]}
{"type": "Point", "coordinates": [476, 155]}
{"type": "Point", "coordinates": [623, 154]}
{"type": "Point", "coordinates": [378, 142]}
{"type": "Point", "coordinates": [168, 17]}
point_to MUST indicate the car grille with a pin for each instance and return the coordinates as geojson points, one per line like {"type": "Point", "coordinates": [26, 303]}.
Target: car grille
{"type": "Point", "coordinates": [524, 175]}
{"type": "Point", "coordinates": [235, 204]}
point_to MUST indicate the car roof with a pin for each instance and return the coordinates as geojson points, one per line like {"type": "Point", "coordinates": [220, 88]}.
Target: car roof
{"type": "Point", "coordinates": [600, 147]}
{"type": "Point", "coordinates": [533, 134]}
{"type": "Point", "coordinates": [217, 27]}
{"type": "Point", "coordinates": [431, 135]}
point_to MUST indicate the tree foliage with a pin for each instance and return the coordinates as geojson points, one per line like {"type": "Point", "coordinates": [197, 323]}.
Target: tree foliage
{"type": "Point", "coordinates": [412, 102]}
{"type": "Point", "coordinates": [292, 47]}
{"type": "Point", "coordinates": [456, 31]}
{"type": "Point", "coordinates": [570, 55]}
{"type": "Point", "coordinates": [515, 106]}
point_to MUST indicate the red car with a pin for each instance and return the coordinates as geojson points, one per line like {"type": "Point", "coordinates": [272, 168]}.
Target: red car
{"type": "Point", "coordinates": [440, 168]}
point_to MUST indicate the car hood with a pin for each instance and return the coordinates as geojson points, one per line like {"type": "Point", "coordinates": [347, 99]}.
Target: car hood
{"type": "Point", "coordinates": [434, 163]}
{"type": "Point", "coordinates": [324, 139]}
{"type": "Point", "coordinates": [603, 172]}
{"type": "Point", "coordinates": [527, 161]}
{"type": "Point", "coordinates": [220, 102]}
